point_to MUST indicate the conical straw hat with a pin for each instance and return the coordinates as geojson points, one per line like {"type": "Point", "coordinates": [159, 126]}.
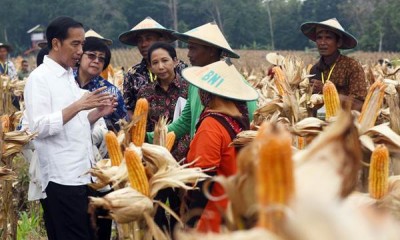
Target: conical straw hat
{"type": "Point", "coordinates": [310, 30]}
{"type": "Point", "coordinates": [210, 35]}
{"type": "Point", "coordinates": [275, 58]}
{"type": "Point", "coordinates": [92, 33]}
{"type": "Point", "coordinates": [148, 24]}
{"type": "Point", "coordinates": [221, 79]}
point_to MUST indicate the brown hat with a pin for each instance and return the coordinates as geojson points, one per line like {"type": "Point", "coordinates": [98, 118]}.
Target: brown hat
{"type": "Point", "coordinates": [92, 33]}
{"type": "Point", "coordinates": [147, 25]}
{"type": "Point", "coordinates": [6, 46]}
{"type": "Point", "coordinates": [210, 35]}
{"type": "Point", "coordinates": [42, 44]}
{"type": "Point", "coordinates": [310, 30]}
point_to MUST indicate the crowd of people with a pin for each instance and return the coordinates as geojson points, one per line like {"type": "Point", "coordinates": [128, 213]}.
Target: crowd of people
{"type": "Point", "coordinates": [70, 104]}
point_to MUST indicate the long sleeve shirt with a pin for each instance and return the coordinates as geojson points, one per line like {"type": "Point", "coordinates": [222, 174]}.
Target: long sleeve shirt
{"type": "Point", "coordinates": [64, 150]}
{"type": "Point", "coordinates": [186, 123]}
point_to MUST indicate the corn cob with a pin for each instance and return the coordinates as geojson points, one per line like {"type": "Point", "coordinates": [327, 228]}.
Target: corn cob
{"type": "Point", "coordinates": [136, 172]}
{"type": "Point", "coordinates": [275, 181]}
{"type": "Point", "coordinates": [138, 131]}
{"type": "Point", "coordinates": [279, 79]}
{"type": "Point", "coordinates": [5, 123]}
{"type": "Point", "coordinates": [113, 148]}
{"type": "Point", "coordinates": [379, 172]}
{"type": "Point", "coordinates": [331, 100]}
{"type": "Point", "coordinates": [372, 105]}
{"type": "Point", "coordinates": [170, 140]}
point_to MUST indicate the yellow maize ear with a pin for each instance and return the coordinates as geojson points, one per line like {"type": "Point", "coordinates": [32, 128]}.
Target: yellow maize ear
{"type": "Point", "coordinates": [5, 123]}
{"type": "Point", "coordinates": [379, 172]}
{"type": "Point", "coordinates": [113, 148]}
{"type": "Point", "coordinates": [138, 131]}
{"type": "Point", "coordinates": [275, 180]}
{"type": "Point", "coordinates": [170, 140]}
{"type": "Point", "coordinates": [279, 79]}
{"type": "Point", "coordinates": [301, 142]}
{"type": "Point", "coordinates": [331, 100]}
{"type": "Point", "coordinates": [372, 104]}
{"type": "Point", "coordinates": [136, 172]}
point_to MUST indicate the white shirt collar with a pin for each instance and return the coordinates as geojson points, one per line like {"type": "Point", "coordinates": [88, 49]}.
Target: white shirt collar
{"type": "Point", "coordinates": [55, 67]}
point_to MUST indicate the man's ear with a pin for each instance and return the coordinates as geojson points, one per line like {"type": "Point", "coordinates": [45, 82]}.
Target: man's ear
{"type": "Point", "coordinates": [340, 42]}
{"type": "Point", "coordinates": [55, 44]}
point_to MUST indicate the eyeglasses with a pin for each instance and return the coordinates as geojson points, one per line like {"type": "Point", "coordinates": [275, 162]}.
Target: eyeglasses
{"type": "Point", "coordinates": [93, 57]}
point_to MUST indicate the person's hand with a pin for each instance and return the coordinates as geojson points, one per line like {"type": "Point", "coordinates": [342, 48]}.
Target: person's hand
{"type": "Point", "coordinates": [109, 107]}
{"type": "Point", "coordinates": [95, 99]}
{"type": "Point", "coordinates": [316, 85]}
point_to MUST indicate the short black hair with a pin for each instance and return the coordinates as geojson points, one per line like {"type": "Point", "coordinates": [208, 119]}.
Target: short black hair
{"type": "Point", "coordinates": [58, 28]}
{"type": "Point", "coordinates": [40, 56]}
{"type": "Point", "coordinates": [163, 45]}
{"type": "Point", "coordinates": [96, 44]}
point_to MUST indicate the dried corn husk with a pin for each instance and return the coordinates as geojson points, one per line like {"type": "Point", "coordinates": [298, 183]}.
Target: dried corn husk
{"type": "Point", "coordinates": [125, 205]}
{"type": "Point", "coordinates": [334, 156]}
{"type": "Point", "coordinates": [7, 174]}
{"type": "Point", "coordinates": [243, 138]}
{"type": "Point", "coordinates": [160, 132]}
{"type": "Point", "coordinates": [252, 234]}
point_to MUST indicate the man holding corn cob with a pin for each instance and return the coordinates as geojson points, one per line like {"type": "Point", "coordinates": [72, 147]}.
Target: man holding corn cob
{"type": "Point", "coordinates": [143, 35]}
{"type": "Point", "coordinates": [57, 109]}
{"type": "Point", "coordinates": [346, 73]}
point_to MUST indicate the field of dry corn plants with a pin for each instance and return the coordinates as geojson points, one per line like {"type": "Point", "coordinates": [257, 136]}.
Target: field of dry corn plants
{"type": "Point", "coordinates": [299, 177]}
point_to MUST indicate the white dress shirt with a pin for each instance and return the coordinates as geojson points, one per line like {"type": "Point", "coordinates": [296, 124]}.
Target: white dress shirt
{"type": "Point", "coordinates": [65, 151]}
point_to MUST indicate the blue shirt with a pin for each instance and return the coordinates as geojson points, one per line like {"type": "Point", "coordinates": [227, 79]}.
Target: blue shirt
{"type": "Point", "coordinates": [120, 112]}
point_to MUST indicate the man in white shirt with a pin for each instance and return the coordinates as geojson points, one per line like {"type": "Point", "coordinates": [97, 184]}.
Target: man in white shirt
{"type": "Point", "coordinates": [62, 114]}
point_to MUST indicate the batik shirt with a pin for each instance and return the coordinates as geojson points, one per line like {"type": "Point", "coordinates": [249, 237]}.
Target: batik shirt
{"type": "Point", "coordinates": [162, 103]}
{"type": "Point", "coordinates": [138, 76]}
{"type": "Point", "coordinates": [120, 112]}
{"type": "Point", "coordinates": [347, 75]}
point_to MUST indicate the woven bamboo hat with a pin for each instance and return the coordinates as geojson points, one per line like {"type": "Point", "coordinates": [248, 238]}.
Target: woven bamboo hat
{"type": "Point", "coordinates": [222, 79]}
{"type": "Point", "coordinates": [148, 24]}
{"type": "Point", "coordinates": [275, 58]}
{"type": "Point", "coordinates": [6, 46]}
{"type": "Point", "coordinates": [92, 33]}
{"type": "Point", "coordinates": [310, 30]}
{"type": "Point", "coordinates": [210, 35]}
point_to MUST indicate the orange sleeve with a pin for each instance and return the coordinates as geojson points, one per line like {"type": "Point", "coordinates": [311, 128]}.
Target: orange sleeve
{"type": "Point", "coordinates": [207, 144]}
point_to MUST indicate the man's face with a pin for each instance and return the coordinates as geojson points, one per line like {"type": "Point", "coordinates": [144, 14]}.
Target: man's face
{"type": "Point", "coordinates": [199, 55]}
{"type": "Point", "coordinates": [25, 66]}
{"type": "Point", "coordinates": [3, 53]}
{"type": "Point", "coordinates": [327, 42]}
{"type": "Point", "coordinates": [145, 40]}
{"type": "Point", "coordinates": [69, 51]}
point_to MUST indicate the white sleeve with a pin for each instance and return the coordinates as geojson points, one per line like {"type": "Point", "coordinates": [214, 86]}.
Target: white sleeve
{"type": "Point", "coordinates": [38, 105]}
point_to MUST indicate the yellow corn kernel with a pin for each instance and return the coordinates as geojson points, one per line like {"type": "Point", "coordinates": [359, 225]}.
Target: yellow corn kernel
{"type": "Point", "coordinates": [331, 100]}
{"type": "Point", "coordinates": [113, 148]}
{"type": "Point", "coordinates": [136, 172]}
{"type": "Point", "coordinates": [138, 131]}
{"type": "Point", "coordinates": [378, 172]}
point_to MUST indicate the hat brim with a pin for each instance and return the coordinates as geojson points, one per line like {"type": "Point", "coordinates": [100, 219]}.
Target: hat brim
{"type": "Point", "coordinates": [241, 91]}
{"type": "Point", "coordinates": [309, 30]}
{"type": "Point", "coordinates": [186, 38]}
{"type": "Point", "coordinates": [106, 41]}
{"type": "Point", "coordinates": [130, 37]}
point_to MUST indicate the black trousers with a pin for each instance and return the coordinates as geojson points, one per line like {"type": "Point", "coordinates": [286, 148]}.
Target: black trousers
{"type": "Point", "coordinates": [160, 217]}
{"type": "Point", "coordinates": [103, 225]}
{"type": "Point", "coordinates": [65, 212]}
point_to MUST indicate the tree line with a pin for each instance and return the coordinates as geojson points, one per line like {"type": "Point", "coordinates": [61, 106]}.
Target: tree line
{"type": "Point", "coordinates": [247, 24]}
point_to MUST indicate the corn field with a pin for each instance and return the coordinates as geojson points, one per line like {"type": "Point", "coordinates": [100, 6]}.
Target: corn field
{"type": "Point", "coordinates": [299, 177]}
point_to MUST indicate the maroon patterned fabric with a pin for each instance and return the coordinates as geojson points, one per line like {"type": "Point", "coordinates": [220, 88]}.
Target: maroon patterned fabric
{"type": "Point", "coordinates": [138, 76]}
{"type": "Point", "coordinates": [162, 103]}
{"type": "Point", "coordinates": [348, 75]}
